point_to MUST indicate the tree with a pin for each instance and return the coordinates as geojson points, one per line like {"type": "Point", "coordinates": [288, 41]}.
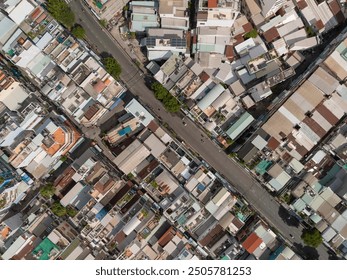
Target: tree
{"type": "Point", "coordinates": [71, 211]}
{"type": "Point", "coordinates": [103, 22]}
{"type": "Point", "coordinates": [58, 209]}
{"type": "Point", "coordinates": [78, 32]}
{"type": "Point", "coordinates": [112, 67]}
{"type": "Point", "coordinates": [251, 34]}
{"type": "Point", "coordinates": [2, 203]}
{"type": "Point", "coordinates": [2, 180]}
{"type": "Point", "coordinates": [63, 158]}
{"type": "Point", "coordinates": [312, 237]}
{"type": "Point", "coordinates": [159, 91]}
{"type": "Point", "coordinates": [47, 190]}
{"type": "Point", "coordinates": [61, 12]}
{"type": "Point", "coordinates": [171, 104]}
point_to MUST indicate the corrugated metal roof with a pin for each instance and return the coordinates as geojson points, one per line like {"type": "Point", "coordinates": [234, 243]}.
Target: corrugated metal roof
{"type": "Point", "coordinates": [240, 125]}
{"type": "Point", "coordinates": [211, 96]}
{"type": "Point", "coordinates": [259, 142]}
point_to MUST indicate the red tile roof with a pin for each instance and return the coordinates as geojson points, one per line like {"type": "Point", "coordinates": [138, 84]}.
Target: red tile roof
{"type": "Point", "coordinates": [319, 24]}
{"type": "Point", "coordinates": [167, 237]}
{"type": "Point", "coordinates": [91, 112]}
{"type": "Point", "coordinates": [302, 4]}
{"type": "Point", "coordinates": [239, 39]}
{"type": "Point", "coordinates": [273, 143]}
{"type": "Point", "coordinates": [212, 3]}
{"type": "Point", "coordinates": [252, 243]}
{"type": "Point", "coordinates": [41, 18]}
{"type": "Point", "coordinates": [271, 34]}
{"type": "Point", "coordinates": [229, 52]}
{"type": "Point", "coordinates": [35, 13]}
{"type": "Point", "coordinates": [334, 7]}
{"type": "Point", "coordinates": [99, 86]}
{"type": "Point", "coordinates": [325, 112]}
{"type": "Point", "coordinates": [247, 27]}
{"type": "Point", "coordinates": [204, 76]}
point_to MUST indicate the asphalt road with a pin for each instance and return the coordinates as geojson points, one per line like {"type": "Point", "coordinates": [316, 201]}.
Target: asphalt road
{"type": "Point", "coordinates": [254, 193]}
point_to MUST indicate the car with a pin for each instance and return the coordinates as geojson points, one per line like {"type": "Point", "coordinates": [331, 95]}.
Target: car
{"type": "Point", "coordinates": [292, 236]}
{"type": "Point", "coordinates": [184, 123]}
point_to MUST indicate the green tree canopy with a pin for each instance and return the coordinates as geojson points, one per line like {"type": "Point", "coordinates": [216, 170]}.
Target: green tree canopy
{"type": "Point", "coordinates": [61, 12]}
{"type": "Point", "coordinates": [251, 34]}
{"type": "Point", "coordinates": [170, 102]}
{"type": "Point", "coordinates": [78, 32]}
{"type": "Point", "coordinates": [71, 211]}
{"type": "Point", "coordinates": [2, 180]}
{"type": "Point", "coordinates": [58, 209]}
{"type": "Point", "coordinates": [103, 22]}
{"type": "Point", "coordinates": [312, 237]}
{"type": "Point", "coordinates": [112, 67]}
{"type": "Point", "coordinates": [2, 203]}
{"type": "Point", "coordinates": [47, 190]}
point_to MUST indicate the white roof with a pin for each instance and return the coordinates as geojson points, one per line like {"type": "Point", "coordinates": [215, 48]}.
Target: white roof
{"type": "Point", "coordinates": [54, 237]}
{"type": "Point", "coordinates": [296, 165]}
{"type": "Point", "coordinates": [245, 45]}
{"type": "Point", "coordinates": [155, 145]}
{"type": "Point", "coordinates": [71, 194]}
{"type": "Point", "coordinates": [27, 56]}
{"type": "Point", "coordinates": [222, 99]}
{"type": "Point", "coordinates": [20, 12]}
{"type": "Point", "coordinates": [319, 156]}
{"type": "Point", "coordinates": [328, 234]}
{"type": "Point", "coordinates": [75, 253]}
{"type": "Point", "coordinates": [137, 110]}
{"type": "Point", "coordinates": [10, 252]}
{"type": "Point", "coordinates": [280, 46]}
{"type": "Point", "coordinates": [131, 225]}
{"type": "Point", "coordinates": [44, 41]}
{"type": "Point", "coordinates": [13, 96]}
{"type": "Point", "coordinates": [290, 27]}
{"type": "Point", "coordinates": [132, 156]}
{"type": "Point", "coordinates": [304, 44]}
{"type": "Point", "coordinates": [7, 27]}
{"type": "Point", "coordinates": [259, 142]}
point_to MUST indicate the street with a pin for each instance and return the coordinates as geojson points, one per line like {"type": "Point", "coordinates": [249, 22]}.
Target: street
{"type": "Point", "coordinates": [254, 193]}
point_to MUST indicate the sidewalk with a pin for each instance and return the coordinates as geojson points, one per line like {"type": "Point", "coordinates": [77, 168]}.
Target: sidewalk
{"type": "Point", "coordinates": [131, 47]}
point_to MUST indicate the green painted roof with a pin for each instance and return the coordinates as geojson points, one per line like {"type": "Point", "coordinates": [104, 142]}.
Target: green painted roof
{"type": "Point", "coordinates": [263, 166]}
{"type": "Point", "coordinates": [99, 4]}
{"type": "Point", "coordinates": [330, 174]}
{"type": "Point", "coordinates": [315, 218]}
{"type": "Point", "coordinates": [299, 205]}
{"type": "Point", "coordinates": [44, 249]}
{"type": "Point", "coordinates": [240, 125]}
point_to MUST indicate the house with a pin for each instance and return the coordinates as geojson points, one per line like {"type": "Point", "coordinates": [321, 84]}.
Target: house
{"type": "Point", "coordinates": [174, 14]}
{"type": "Point", "coordinates": [253, 11]}
{"type": "Point", "coordinates": [217, 13]}
{"type": "Point", "coordinates": [236, 129]}
{"type": "Point", "coordinates": [261, 242]}
{"type": "Point", "coordinates": [321, 16]}
{"type": "Point", "coordinates": [132, 156]}
{"type": "Point", "coordinates": [279, 178]}
{"type": "Point", "coordinates": [144, 14]}
{"type": "Point", "coordinates": [304, 119]}
{"type": "Point", "coordinates": [107, 9]}
{"type": "Point", "coordinates": [139, 112]}
{"type": "Point", "coordinates": [270, 7]}
{"type": "Point", "coordinates": [162, 43]}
